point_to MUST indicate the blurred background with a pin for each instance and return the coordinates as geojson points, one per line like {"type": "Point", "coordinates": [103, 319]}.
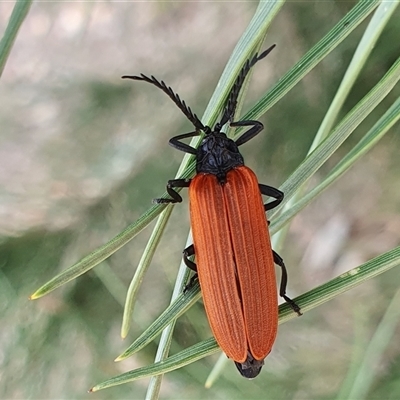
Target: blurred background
{"type": "Point", "coordinates": [83, 153]}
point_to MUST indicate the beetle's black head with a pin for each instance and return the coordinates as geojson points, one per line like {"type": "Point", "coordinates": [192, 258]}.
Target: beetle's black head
{"type": "Point", "coordinates": [217, 154]}
{"type": "Point", "coordinates": [250, 368]}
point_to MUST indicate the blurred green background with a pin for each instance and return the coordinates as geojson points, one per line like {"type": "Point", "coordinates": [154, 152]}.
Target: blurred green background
{"type": "Point", "coordinates": [83, 153]}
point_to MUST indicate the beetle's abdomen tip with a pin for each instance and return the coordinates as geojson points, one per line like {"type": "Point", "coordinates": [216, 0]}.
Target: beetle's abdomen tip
{"type": "Point", "coordinates": [250, 368]}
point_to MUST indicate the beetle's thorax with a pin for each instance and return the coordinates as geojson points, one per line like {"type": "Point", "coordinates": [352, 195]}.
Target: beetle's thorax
{"type": "Point", "coordinates": [217, 155]}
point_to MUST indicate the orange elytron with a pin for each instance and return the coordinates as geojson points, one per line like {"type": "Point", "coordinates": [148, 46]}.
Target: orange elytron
{"type": "Point", "coordinates": [243, 312]}
{"type": "Point", "coordinates": [234, 258]}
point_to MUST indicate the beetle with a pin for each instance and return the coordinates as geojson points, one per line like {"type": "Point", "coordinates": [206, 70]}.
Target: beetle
{"type": "Point", "coordinates": [231, 242]}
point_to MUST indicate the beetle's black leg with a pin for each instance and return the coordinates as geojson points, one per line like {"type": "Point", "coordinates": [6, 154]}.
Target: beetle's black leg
{"type": "Point", "coordinates": [189, 251]}
{"type": "Point", "coordinates": [173, 96]}
{"type": "Point", "coordinates": [282, 290]}
{"type": "Point", "coordinates": [271, 192]}
{"type": "Point", "coordinates": [177, 144]}
{"type": "Point", "coordinates": [256, 128]}
{"type": "Point", "coordinates": [176, 197]}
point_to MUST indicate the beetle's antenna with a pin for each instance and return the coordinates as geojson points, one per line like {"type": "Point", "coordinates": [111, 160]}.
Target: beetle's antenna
{"type": "Point", "coordinates": [234, 94]}
{"type": "Point", "coordinates": [173, 96]}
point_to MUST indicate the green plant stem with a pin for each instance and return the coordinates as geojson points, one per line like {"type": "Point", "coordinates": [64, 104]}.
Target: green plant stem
{"type": "Point", "coordinates": [20, 11]}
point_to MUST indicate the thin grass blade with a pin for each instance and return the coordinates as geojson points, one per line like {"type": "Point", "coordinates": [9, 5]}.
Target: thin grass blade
{"type": "Point", "coordinates": [379, 342]}
{"type": "Point", "coordinates": [182, 279]}
{"type": "Point", "coordinates": [143, 265]}
{"type": "Point", "coordinates": [178, 307]}
{"type": "Point", "coordinates": [375, 134]}
{"type": "Point", "coordinates": [100, 254]}
{"type": "Point", "coordinates": [352, 120]}
{"type": "Point", "coordinates": [371, 35]}
{"type": "Point", "coordinates": [307, 301]}
{"type": "Point", "coordinates": [19, 12]}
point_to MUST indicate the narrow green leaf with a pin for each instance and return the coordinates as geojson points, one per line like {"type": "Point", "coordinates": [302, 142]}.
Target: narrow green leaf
{"type": "Point", "coordinates": [217, 370]}
{"type": "Point", "coordinates": [18, 15]}
{"type": "Point", "coordinates": [361, 338]}
{"type": "Point", "coordinates": [364, 48]}
{"type": "Point", "coordinates": [307, 301]}
{"type": "Point", "coordinates": [164, 345]}
{"type": "Point", "coordinates": [352, 120]}
{"type": "Point", "coordinates": [376, 133]}
{"type": "Point", "coordinates": [371, 35]}
{"type": "Point", "coordinates": [181, 304]}
{"type": "Point", "coordinates": [144, 263]}
{"type": "Point", "coordinates": [328, 43]}
{"type": "Point", "coordinates": [377, 345]}
{"type": "Point", "coordinates": [179, 360]}
{"type": "Point", "coordinates": [99, 254]}
{"type": "Point", "coordinates": [253, 36]}
{"type": "Point", "coordinates": [344, 282]}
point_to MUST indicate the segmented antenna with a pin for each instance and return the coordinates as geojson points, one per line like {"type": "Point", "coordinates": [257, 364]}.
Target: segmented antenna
{"type": "Point", "coordinates": [173, 96]}
{"type": "Point", "coordinates": [233, 96]}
